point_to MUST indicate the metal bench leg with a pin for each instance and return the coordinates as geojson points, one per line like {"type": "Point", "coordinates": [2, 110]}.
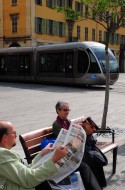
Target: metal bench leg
{"type": "Point", "coordinates": [114, 159]}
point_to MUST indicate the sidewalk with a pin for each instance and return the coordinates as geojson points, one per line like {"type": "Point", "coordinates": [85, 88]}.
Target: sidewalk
{"type": "Point", "coordinates": [116, 181]}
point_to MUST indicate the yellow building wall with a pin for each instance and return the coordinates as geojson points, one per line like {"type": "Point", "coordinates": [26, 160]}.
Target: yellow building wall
{"type": "Point", "coordinates": [48, 13]}
{"type": "Point", "coordinates": [20, 8]}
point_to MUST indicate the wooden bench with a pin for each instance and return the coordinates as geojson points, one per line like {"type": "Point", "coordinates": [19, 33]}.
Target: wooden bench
{"type": "Point", "coordinates": [31, 143]}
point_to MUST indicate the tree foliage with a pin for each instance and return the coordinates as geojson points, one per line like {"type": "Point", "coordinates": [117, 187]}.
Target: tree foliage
{"type": "Point", "coordinates": [108, 13]}
{"type": "Point", "coordinates": [70, 14]}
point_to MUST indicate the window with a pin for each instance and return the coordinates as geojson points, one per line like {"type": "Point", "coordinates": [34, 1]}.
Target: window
{"type": "Point", "coordinates": [100, 35]}
{"type": "Point", "coordinates": [86, 11]}
{"type": "Point", "coordinates": [2, 65]}
{"type": "Point", "coordinates": [83, 62]}
{"type": "Point", "coordinates": [69, 3]}
{"type": "Point", "coordinates": [12, 67]}
{"type": "Point", "coordinates": [112, 38]}
{"type": "Point", "coordinates": [39, 2]}
{"type": "Point", "coordinates": [79, 7]}
{"type": "Point", "coordinates": [78, 32]}
{"type": "Point", "coordinates": [94, 68]}
{"type": "Point", "coordinates": [51, 62]}
{"type": "Point", "coordinates": [40, 25]}
{"type": "Point", "coordinates": [93, 34]}
{"type": "Point", "coordinates": [86, 33]}
{"type": "Point", "coordinates": [14, 2]}
{"type": "Point", "coordinates": [60, 3]}
{"type": "Point", "coordinates": [14, 18]}
{"type": "Point", "coordinates": [49, 3]}
{"type": "Point", "coordinates": [60, 29]}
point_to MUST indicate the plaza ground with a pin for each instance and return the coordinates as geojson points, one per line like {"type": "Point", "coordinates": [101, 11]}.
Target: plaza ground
{"type": "Point", "coordinates": [30, 107]}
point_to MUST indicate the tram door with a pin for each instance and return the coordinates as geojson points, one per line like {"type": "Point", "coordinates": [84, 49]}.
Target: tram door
{"type": "Point", "coordinates": [2, 65]}
{"type": "Point", "coordinates": [24, 65]}
{"type": "Point", "coordinates": [69, 65]}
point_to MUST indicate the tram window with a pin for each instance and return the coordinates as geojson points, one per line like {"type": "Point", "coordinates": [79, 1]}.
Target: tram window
{"type": "Point", "coordinates": [51, 62]}
{"type": "Point", "coordinates": [100, 53]}
{"type": "Point", "coordinates": [83, 62]}
{"type": "Point", "coordinates": [94, 67]}
{"type": "Point", "coordinates": [12, 63]}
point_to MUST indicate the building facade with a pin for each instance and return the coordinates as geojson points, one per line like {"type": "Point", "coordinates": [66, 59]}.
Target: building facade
{"type": "Point", "coordinates": [35, 22]}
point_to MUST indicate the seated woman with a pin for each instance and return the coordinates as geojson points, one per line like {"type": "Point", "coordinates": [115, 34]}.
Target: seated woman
{"type": "Point", "coordinates": [62, 121]}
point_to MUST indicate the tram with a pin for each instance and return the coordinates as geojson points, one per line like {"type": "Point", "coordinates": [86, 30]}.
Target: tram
{"type": "Point", "coordinates": [76, 63]}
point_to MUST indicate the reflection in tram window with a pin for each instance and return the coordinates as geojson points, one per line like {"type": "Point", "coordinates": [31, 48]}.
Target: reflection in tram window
{"type": "Point", "coordinates": [100, 53]}
{"type": "Point", "coordinates": [12, 66]}
{"type": "Point", "coordinates": [51, 63]}
{"type": "Point", "coordinates": [83, 62]}
{"type": "Point", "coordinates": [94, 67]}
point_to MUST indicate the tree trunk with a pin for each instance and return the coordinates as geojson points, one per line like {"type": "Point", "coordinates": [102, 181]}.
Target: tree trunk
{"type": "Point", "coordinates": [106, 101]}
{"type": "Point", "coordinates": [70, 24]}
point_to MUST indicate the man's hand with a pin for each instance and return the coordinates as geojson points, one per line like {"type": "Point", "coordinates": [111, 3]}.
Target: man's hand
{"type": "Point", "coordinates": [59, 153]}
{"type": "Point", "coordinates": [47, 149]}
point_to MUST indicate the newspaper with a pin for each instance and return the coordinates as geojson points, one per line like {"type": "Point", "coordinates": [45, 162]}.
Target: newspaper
{"type": "Point", "coordinates": [71, 182]}
{"type": "Point", "coordinates": [74, 139]}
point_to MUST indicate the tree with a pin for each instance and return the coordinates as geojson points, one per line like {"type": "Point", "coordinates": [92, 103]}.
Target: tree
{"type": "Point", "coordinates": [71, 16]}
{"type": "Point", "coordinates": [111, 15]}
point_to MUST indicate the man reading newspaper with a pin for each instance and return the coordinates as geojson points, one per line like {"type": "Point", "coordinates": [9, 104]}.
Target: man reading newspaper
{"type": "Point", "coordinates": [75, 139]}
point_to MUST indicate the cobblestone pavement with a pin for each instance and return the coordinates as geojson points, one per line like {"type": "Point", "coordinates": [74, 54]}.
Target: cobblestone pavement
{"type": "Point", "coordinates": [30, 107]}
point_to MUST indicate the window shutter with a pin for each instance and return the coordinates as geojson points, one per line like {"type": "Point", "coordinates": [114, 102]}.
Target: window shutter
{"type": "Point", "coordinates": [36, 25]}
{"type": "Point", "coordinates": [55, 28]}
{"type": "Point", "coordinates": [43, 26]}
{"type": "Point", "coordinates": [64, 29]}
{"type": "Point", "coordinates": [47, 21]}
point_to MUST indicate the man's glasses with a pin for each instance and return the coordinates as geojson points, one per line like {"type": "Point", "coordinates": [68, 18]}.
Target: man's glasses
{"type": "Point", "coordinates": [66, 110]}
{"type": "Point", "coordinates": [13, 132]}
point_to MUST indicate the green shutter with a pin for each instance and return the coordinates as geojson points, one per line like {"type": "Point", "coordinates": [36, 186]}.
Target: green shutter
{"type": "Point", "coordinates": [55, 28]}
{"type": "Point", "coordinates": [64, 29]}
{"type": "Point", "coordinates": [47, 22]}
{"type": "Point", "coordinates": [43, 26]}
{"type": "Point", "coordinates": [57, 32]}
{"type": "Point", "coordinates": [81, 9]}
{"type": "Point", "coordinates": [35, 24]}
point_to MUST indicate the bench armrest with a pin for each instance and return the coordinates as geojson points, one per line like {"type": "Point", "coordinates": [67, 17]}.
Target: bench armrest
{"type": "Point", "coordinates": [107, 130]}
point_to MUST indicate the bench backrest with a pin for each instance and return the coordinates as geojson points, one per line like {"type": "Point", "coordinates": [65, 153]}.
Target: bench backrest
{"type": "Point", "coordinates": [31, 141]}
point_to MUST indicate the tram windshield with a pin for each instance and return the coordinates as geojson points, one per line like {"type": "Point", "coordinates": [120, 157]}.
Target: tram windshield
{"type": "Point", "coordinates": [100, 53]}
